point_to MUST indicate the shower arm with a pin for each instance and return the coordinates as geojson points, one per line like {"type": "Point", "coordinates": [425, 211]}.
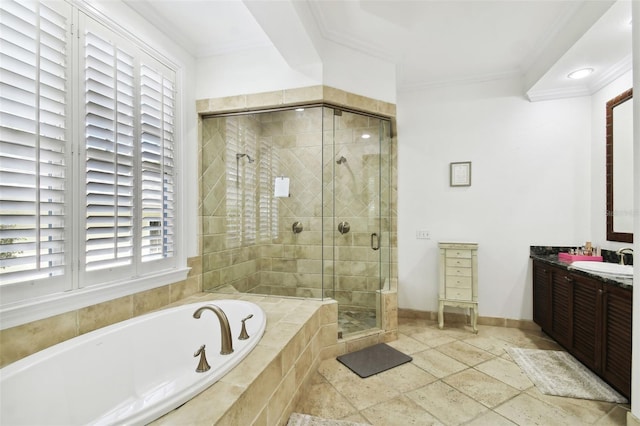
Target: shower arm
{"type": "Point", "coordinates": [240, 155]}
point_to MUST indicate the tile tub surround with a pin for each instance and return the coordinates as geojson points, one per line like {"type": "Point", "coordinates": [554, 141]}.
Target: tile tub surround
{"type": "Point", "coordinates": [276, 376]}
{"type": "Point", "coordinates": [24, 340]}
{"type": "Point", "coordinates": [265, 387]}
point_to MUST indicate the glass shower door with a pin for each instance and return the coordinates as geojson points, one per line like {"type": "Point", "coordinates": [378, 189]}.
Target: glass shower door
{"type": "Point", "coordinates": [360, 225]}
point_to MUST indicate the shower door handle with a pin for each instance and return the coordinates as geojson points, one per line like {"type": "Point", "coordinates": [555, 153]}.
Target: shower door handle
{"type": "Point", "coordinates": [375, 241]}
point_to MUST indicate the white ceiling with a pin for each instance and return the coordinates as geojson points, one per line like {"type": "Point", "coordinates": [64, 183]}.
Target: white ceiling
{"type": "Point", "coordinates": [431, 42]}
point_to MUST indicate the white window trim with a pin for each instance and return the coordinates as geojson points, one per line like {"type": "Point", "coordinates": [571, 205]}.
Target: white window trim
{"type": "Point", "coordinates": [35, 308]}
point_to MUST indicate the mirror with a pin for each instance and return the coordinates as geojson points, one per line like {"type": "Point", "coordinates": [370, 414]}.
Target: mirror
{"type": "Point", "coordinates": [619, 131]}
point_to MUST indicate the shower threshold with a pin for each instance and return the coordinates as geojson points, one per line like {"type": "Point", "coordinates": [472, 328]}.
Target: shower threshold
{"type": "Point", "coordinates": [352, 321]}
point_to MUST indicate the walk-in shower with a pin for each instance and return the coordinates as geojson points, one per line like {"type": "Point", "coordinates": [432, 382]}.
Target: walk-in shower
{"type": "Point", "coordinates": [297, 219]}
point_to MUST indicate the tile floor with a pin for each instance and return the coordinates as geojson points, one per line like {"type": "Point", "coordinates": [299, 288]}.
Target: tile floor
{"type": "Point", "coordinates": [455, 378]}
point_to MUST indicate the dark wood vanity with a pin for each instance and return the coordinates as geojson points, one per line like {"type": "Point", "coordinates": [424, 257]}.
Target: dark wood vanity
{"type": "Point", "coordinates": [589, 317]}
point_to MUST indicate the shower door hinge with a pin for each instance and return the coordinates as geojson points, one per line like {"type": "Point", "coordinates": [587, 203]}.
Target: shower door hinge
{"type": "Point", "coordinates": [337, 112]}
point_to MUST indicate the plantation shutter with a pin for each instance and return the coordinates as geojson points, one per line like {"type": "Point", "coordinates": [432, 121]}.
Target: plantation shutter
{"type": "Point", "coordinates": [109, 138]}
{"type": "Point", "coordinates": [34, 139]}
{"type": "Point", "coordinates": [130, 113]}
{"type": "Point", "coordinates": [157, 115]}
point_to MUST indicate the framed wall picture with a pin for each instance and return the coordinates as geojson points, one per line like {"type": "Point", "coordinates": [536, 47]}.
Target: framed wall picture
{"type": "Point", "coordinates": [460, 174]}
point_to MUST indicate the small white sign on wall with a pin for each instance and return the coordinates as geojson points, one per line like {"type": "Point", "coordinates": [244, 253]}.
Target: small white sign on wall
{"type": "Point", "coordinates": [281, 187]}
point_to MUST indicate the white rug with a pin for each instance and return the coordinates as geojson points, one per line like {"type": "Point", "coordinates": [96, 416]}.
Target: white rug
{"type": "Point", "coordinates": [558, 373]}
{"type": "Point", "coordinates": [297, 419]}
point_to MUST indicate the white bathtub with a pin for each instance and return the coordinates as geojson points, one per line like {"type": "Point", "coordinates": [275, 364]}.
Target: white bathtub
{"type": "Point", "coordinates": [128, 373]}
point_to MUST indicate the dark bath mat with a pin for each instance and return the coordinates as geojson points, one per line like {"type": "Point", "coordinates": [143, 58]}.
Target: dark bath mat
{"type": "Point", "coordinates": [373, 360]}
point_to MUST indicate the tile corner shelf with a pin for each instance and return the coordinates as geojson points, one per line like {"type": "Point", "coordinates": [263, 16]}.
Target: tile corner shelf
{"type": "Point", "coordinates": [458, 279]}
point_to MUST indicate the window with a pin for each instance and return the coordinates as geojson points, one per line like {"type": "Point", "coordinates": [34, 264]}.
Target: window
{"type": "Point", "coordinates": [87, 154]}
{"type": "Point", "coordinates": [34, 144]}
{"type": "Point", "coordinates": [129, 151]}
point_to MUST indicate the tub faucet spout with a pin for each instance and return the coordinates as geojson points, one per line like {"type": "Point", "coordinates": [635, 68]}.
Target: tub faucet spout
{"type": "Point", "coordinates": [225, 329]}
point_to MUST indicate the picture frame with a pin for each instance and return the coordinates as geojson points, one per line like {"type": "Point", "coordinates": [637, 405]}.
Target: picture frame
{"type": "Point", "coordinates": [460, 173]}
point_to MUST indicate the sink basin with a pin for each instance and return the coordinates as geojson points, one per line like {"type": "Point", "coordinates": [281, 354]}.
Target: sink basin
{"type": "Point", "coordinates": [610, 269]}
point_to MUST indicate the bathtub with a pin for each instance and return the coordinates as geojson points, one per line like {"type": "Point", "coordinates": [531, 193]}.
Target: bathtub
{"type": "Point", "coordinates": [128, 373]}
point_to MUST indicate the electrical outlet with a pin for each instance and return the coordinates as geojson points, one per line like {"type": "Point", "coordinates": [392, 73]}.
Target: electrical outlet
{"type": "Point", "coordinates": [423, 235]}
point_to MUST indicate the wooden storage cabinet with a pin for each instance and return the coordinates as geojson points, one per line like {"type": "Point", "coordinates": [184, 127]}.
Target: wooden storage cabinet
{"type": "Point", "coordinates": [590, 318]}
{"type": "Point", "coordinates": [561, 307]}
{"type": "Point", "coordinates": [458, 283]}
{"type": "Point", "coordinates": [541, 295]}
{"type": "Point", "coordinates": [616, 338]}
{"type": "Point", "coordinates": [586, 318]}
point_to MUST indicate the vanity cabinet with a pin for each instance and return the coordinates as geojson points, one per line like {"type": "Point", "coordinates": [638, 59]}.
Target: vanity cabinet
{"type": "Point", "coordinates": [590, 318]}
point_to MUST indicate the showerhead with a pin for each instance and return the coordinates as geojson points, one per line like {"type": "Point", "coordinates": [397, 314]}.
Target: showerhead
{"type": "Point", "coordinates": [239, 156]}
{"type": "Point", "coordinates": [341, 160]}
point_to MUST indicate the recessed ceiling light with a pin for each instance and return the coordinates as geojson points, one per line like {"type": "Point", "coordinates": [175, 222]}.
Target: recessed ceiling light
{"type": "Point", "coordinates": [578, 74]}
{"type": "Point", "coordinates": [366, 136]}
{"type": "Point", "coordinates": [299, 109]}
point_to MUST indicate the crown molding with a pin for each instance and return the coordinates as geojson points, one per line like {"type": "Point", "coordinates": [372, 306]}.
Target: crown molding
{"type": "Point", "coordinates": [603, 79]}
{"type": "Point", "coordinates": [480, 78]}
{"type": "Point", "coordinates": [612, 73]}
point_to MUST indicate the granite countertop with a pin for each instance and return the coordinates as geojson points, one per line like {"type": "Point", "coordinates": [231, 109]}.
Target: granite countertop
{"type": "Point", "coordinates": [549, 255]}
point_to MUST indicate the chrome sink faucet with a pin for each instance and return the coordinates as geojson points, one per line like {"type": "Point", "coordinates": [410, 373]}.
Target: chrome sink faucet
{"type": "Point", "coordinates": [225, 329]}
{"type": "Point", "coordinates": [622, 251]}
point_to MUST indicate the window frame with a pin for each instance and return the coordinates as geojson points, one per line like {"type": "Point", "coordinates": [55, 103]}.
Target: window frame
{"type": "Point", "coordinates": [37, 299]}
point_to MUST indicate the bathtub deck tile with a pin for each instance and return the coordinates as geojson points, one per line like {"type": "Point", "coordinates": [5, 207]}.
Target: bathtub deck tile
{"type": "Point", "coordinates": [278, 335]}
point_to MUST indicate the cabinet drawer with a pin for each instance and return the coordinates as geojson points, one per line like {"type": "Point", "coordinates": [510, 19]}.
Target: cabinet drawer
{"type": "Point", "coordinates": [456, 261]}
{"type": "Point", "coordinates": [458, 293]}
{"type": "Point", "coordinates": [459, 282]}
{"type": "Point", "coordinates": [459, 272]}
{"type": "Point", "coordinates": [465, 254]}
